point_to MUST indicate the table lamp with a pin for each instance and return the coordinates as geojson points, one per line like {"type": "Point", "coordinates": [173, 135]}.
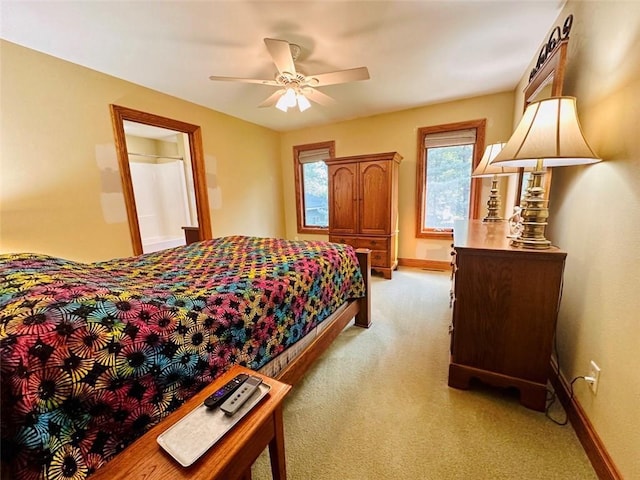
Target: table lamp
{"type": "Point", "coordinates": [548, 135]}
{"type": "Point", "coordinates": [487, 169]}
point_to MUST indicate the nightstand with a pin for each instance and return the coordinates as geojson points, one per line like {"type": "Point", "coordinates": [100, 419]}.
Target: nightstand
{"type": "Point", "coordinates": [230, 458]}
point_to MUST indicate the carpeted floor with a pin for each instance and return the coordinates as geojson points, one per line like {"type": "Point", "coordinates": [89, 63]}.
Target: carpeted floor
{"type": "Point", "coordinates": [377, 405]}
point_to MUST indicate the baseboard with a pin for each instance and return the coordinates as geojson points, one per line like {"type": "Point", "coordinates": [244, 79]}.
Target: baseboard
{"type": "Point", "coordinates": [591, 442]}
{"type": "Point", "coordinates": [426, 264]}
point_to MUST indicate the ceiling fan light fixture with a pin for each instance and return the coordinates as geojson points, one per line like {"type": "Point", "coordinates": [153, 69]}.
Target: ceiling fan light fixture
{"type": "Point", "coordinates": [281, 106]}
{"type": "Point", "coordinates": [303, 102]}
{"type": "Point", "coordinates": [290, 97]}
{"type": "Point", "coordinates": [286, 100]}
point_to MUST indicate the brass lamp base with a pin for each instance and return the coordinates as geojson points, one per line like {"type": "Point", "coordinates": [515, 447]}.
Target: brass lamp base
{"type": "Point", "coordinates": [534, 215]}
{"type": "Point", "coordinates": [493, 204]}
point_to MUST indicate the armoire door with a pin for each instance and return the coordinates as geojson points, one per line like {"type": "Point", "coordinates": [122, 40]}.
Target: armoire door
{"type": "Point", "coordinates": [343, 198]}
{"type": "Point", "coordinates": [375, 198]}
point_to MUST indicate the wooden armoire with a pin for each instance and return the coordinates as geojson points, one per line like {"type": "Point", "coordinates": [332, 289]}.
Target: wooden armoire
{"type": "Point", "coordinates": [363, 206]}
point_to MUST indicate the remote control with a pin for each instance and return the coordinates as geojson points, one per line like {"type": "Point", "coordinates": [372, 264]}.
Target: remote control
{"type": "Point", "coordinates": [218, 397]}
{"type": "Point", "coordinates": [235, 401]}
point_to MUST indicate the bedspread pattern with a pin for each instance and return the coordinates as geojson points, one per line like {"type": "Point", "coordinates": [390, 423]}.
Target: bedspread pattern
{"type": "Point", "coordinates": [93, 355]}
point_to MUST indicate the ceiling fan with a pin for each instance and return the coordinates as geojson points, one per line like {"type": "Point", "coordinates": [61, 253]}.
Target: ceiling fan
{"type": "Point", "coordinates": [295, 87]}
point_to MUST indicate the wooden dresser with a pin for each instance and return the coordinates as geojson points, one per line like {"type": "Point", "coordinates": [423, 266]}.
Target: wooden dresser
{"type": "Point", "coordinates": [363, 206]}
{"type": "Point", "coordinates": [505, 302]}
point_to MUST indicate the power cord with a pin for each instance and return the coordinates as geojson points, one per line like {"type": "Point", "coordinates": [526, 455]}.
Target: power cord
{"type": "Point", "coordinates": [551, 392]}
{"type": "Point", "coordinates": [553, 397]}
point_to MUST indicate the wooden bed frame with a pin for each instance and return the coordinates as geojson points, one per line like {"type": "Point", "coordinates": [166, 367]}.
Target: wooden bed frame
{"type": "Point", "coordinates": [359, 308]}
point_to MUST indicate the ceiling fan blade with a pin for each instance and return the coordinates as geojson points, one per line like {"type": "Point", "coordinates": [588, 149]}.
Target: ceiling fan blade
{"type": "Point", "coordinates": [273, 99]}
{"type": "Point", "coordinates": [245, 80]}
{"type": "Point", "coordinates": [341, 76]}
{"type": "Point", "coordinates": [318, 97]}
{"type": "Point", "coordinates": [281, 54]}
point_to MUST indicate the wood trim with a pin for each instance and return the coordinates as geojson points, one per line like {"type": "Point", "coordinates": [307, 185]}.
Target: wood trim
{"type": "Point", "coordinates": [593, 446]}
{"type": "Point", "coordinates": [476, 186]}
{"type": "Point", "coordinates": [368, 157]}
{"type": "Point", "coordinates": [299, 188]}
{"type": "Point", "coordinates": [200, 183]}
{"type": "Point", "coordinates": [314, 231]}
{"type": "Point", "coordinates": [118, 116]}
{"type": "Point", "coordinates": [437, 234]}
{"type": "Point", "coordinates": [476, 183]}
{"type": "Point", "coordinates": [552, 70]}
{"type": "Point", "coordinates": [426, 264]}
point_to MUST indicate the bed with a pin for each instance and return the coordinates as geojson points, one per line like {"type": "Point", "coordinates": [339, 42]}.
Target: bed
{"type": "Point", "coordinates": [93, 355]}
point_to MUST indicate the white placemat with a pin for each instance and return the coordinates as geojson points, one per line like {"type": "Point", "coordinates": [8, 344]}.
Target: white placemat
{"type": "Point", "coordinates": [198, 431]}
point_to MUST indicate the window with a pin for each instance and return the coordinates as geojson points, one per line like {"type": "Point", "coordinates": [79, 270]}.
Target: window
{"type": "Point", "coordinates": [312, 186]}
{"type": "Point", "coordinates": [447, 154]}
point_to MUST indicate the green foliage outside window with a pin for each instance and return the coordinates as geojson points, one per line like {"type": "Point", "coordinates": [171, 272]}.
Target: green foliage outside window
{"type": "Point", "coordinates": [315, 182]}
{"type": "Point", "coordinates": [448, 185]}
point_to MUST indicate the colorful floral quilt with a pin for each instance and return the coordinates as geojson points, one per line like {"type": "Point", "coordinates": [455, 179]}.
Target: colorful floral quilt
{"type": "Point", "coordinates": [93, 355]}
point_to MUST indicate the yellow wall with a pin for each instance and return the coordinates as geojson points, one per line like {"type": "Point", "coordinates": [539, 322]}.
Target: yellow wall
{"type": "Point", "coordinates": [57, 130]}
{"type": "Point", "coordinates": [55, 123]}
{"type": "Point", "coordinates": [56, 127]}
{"type": "Point", "coordinates": [398, 131]}
{"type": "Point", "coordinates": [594, 213]}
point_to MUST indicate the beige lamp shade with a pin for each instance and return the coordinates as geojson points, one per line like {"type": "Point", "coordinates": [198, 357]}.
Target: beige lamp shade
{"type": "Point", "coordinates": [549, 131]}
{"type": "Point", "coordinates": [487, 169]}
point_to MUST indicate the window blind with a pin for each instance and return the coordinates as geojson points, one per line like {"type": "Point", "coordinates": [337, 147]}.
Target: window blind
{"type": "Point", "coordinates": [451, 138]}
{"type": "Point", "coordinates": [311, 156]}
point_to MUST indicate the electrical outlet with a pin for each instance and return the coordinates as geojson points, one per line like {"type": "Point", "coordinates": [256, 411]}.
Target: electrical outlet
{"type": "Point", "coordinates": [594, 373]}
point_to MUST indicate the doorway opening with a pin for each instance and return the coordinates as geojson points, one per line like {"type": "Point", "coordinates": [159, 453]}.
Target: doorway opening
{"type": "Point", "coordinates": [163, 177]}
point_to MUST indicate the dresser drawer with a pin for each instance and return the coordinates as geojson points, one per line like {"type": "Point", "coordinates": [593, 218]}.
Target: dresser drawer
{"type": "Point", "coordinates": [378, 246]}
{"type": "Point", "coordinates": [380, 258]}
{"type": "Point", "coordinates": [353, 241]}
{"type": "Point", "coordinates": [373, 243]}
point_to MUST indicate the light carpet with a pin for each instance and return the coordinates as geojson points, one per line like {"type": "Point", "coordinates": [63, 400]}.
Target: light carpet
{"type": "Point", "coordinates": [377, 406]}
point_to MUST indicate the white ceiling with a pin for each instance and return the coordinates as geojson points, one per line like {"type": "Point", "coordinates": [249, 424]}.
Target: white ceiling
{"type": "Point", "coordinates": [417, 52]}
